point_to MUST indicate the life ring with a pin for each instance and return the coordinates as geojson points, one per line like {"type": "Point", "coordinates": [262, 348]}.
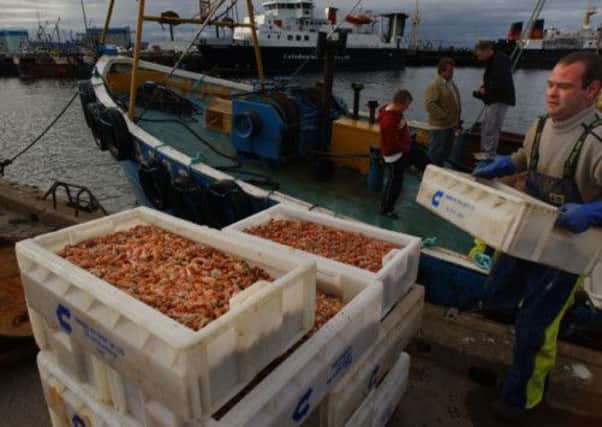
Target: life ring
{"type": "Point", "coordinates": [93, 112]}
{"type": "Point", "coordinates": [86, 96]}
{"type": "Point", "coordinates": [155, 181]}
{"type": "Point", "coordinates": [247, 124]}
{"type": "Point", "coordinates": [186, 199]}
{"type": "Point", "coordinates": [359, 19]}
{"type": "Point", "coordinates": [116, 134]}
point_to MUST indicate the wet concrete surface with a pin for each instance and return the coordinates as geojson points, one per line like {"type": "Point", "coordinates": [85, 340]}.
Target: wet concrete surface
{"type": "Point", "coordinates": [436, 397]}
{"type": "Point", "coordinates": [439, 397]}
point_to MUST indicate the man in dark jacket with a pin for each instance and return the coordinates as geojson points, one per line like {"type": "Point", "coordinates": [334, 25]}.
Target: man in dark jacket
{"type": "Point", "coordinates": [394, 144]}
{"type": "Point", "coordinates": [497, 92]}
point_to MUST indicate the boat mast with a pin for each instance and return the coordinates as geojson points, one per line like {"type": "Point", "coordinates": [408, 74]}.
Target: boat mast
{"type": "Point", "coordinates": [256, 47]}
{"type": "Point", "coordinates": [85, 18]}
{"type": "Point", "coordinates": [520, 46]}
{"type": "Point", "coordinates": [587, 18]}
{"type": "Point", "coordinates": [105, 30]}
{"type": "Point", "coordinates": [136, 61]}
{"type": "Point", "coordinates": [413, 42]}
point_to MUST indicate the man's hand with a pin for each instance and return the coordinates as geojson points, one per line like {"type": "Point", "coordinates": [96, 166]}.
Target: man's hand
{"type": "Point", "coordinates": [579, 217]}
{"type": "Point", "coordinates": [501, 166]}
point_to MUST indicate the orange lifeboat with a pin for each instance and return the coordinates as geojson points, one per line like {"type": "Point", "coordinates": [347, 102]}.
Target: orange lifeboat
{"type": "Point", "coordinates": [360, 19]}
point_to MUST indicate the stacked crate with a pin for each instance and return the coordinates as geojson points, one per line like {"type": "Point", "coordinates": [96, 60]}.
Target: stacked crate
{"type": "Point", "coordinates": [108, 359]}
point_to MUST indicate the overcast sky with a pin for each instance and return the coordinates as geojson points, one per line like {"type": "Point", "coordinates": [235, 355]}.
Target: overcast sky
{"type": "Point", "coordinates": [455, 22]}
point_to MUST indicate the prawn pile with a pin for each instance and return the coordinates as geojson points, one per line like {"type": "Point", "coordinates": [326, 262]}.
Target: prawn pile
{"type": "Point", "coordinates": [327, 306]}
{"type": "Point", "coordinates": [344, 246]}
{"type": "Point", "coordinates": [188, 281]}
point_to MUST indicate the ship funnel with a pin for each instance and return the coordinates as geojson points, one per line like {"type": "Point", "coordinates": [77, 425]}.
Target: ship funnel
{"type": "Point", "coordinates": [536, 32]}
{"type": "Point", "coordinates": [515, 32]}
{"type": "Point", "coordinates": [396, 23]}
{"type": "Point", "coordinates": [331, 15]}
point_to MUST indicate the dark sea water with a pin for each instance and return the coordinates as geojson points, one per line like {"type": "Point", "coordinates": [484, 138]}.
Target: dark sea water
{"type": "Point", "coordinates": [68, 152]}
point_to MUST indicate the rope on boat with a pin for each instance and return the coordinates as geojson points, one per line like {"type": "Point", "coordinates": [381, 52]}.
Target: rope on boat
{"type": "Point", "coordinates": [6, 162]}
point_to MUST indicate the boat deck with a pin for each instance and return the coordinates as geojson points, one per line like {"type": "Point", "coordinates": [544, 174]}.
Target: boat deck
{"type": "Point", "coordinates": [346, 194]}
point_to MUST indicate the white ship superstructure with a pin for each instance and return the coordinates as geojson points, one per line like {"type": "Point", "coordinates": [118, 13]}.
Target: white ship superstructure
{"type": "Point", "coordinates": [292, 23]}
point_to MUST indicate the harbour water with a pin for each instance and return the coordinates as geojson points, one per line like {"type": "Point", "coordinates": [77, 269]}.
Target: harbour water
{"type": "Point", "coordinates": [68, 153]}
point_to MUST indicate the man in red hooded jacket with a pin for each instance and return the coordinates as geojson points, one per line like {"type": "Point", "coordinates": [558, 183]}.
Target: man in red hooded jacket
{"type": "Point", "coordinates": [394, 144]}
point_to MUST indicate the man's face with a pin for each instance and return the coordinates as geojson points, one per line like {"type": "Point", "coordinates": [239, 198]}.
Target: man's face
{"type": "Point", "coordinates": [448, 73]}
{"type": "Point", "coordinates": [402, 106]}
{"type": "Point", "coordinates": [565, 94]}
{"type": "Point", "coordinates": [483, 54]}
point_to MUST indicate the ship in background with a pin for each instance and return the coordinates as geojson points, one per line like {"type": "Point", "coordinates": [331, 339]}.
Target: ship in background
{"type": "Point", "coordinates": [289, 32]}
{"type": "Point", "coordinates": [12, 40]}
{"type": "Point", "coordinates": [541, 47]}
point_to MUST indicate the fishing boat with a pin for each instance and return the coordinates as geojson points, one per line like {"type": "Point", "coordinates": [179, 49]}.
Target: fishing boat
{"type": "Point", "coordinates": [216, 151]}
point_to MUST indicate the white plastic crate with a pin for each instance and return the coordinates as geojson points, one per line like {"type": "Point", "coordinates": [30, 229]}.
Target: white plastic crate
{"type": "Point", "coordinates": [396, 331]}
{"type": "Point", "coordinates": [188, 374]}
{"type": "Point", "coordinates": [400, 267]}
{"type": "Point", "coordinates": [350, 333]}
{"type": "Point", "coordinates": [380, 405]}
{"type": "Point", "coordinates": [69, 404]}
{"type": "Point", "coordinates": [508, 220]}
{"type": "Point", "coordinates": [297, 386]}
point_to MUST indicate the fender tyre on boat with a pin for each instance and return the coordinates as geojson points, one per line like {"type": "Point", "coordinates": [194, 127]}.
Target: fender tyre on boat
{"type": "Point", "coordinates": [155, 181]}
{"type": "Point", "coordinates": [94, 112]}
{"type": "Point", "coordinates": [116, 133]}
{"type": "Point", "coordinates": [86, 96]}
{"type": "Point", "coordinates": [186, 199]}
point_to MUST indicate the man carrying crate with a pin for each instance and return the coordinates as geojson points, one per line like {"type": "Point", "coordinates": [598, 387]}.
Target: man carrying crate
{"type": "Point", "coordinates": [562, 155]}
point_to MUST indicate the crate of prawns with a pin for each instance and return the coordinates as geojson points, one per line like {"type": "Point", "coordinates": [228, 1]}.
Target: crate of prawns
{"type": "Point", "coordinates": [190, 314]}
{"type": "Point", "coordinates": [339, 246]}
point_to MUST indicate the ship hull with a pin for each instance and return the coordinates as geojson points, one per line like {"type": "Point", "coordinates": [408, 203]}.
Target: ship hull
{"type": "Point", "coordinates": [7, 67]}
{"type": "Point", "coordinates": [541, 59]}
{"type": "Point", "coordinates": [33, 68]}
{"type": "Point", "coordinates": [278, 60]}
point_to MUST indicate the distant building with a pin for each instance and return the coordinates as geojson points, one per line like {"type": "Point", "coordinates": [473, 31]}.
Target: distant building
{"type": "Point", "coordinates": [13, 40]}
{"type": "Point", "coordinates": [119, 36]}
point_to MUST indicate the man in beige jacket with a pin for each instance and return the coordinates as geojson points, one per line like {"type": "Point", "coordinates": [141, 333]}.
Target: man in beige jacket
{"type": "Point", "coordinates": [442, 101]}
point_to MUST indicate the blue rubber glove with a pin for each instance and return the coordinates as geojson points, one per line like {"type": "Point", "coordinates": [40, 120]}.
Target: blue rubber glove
{"type": "Point", "coordinates": [501, 166]}
{"type": "Point", "coordinates": [580, 217]}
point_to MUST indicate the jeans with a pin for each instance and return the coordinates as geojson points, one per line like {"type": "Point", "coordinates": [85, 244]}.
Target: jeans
{"type": "Point", "coordinates": [440, 145]}
{"type": "Point", "coordinates": [491, 126]}
{"type": "Point", "coordinates": [392, 191]}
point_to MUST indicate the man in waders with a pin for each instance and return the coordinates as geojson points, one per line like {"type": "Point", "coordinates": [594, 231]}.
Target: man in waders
{"type": "Point", "coordinates": [562, 154]}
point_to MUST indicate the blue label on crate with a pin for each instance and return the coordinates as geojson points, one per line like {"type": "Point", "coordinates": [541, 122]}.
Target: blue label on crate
{"type": "Point", "coordinates": [385, 416]}
{"type": "Point", "coordinates": [63, 315]}
{"type": "Point", "coordinates": [373, 377]}
{"type": "Point", "coordinates": [303, 406]}
{"type": "Point", "coordinates": [104, 346]}
{"type": "Point", "coordinates": [453, 206]}
{"type": "Point", "coordinates": [340, 365]}
{"type": "Point", "coordinates": [76, 421]}
{"type": "Point", "coordinates": [437, 198]}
